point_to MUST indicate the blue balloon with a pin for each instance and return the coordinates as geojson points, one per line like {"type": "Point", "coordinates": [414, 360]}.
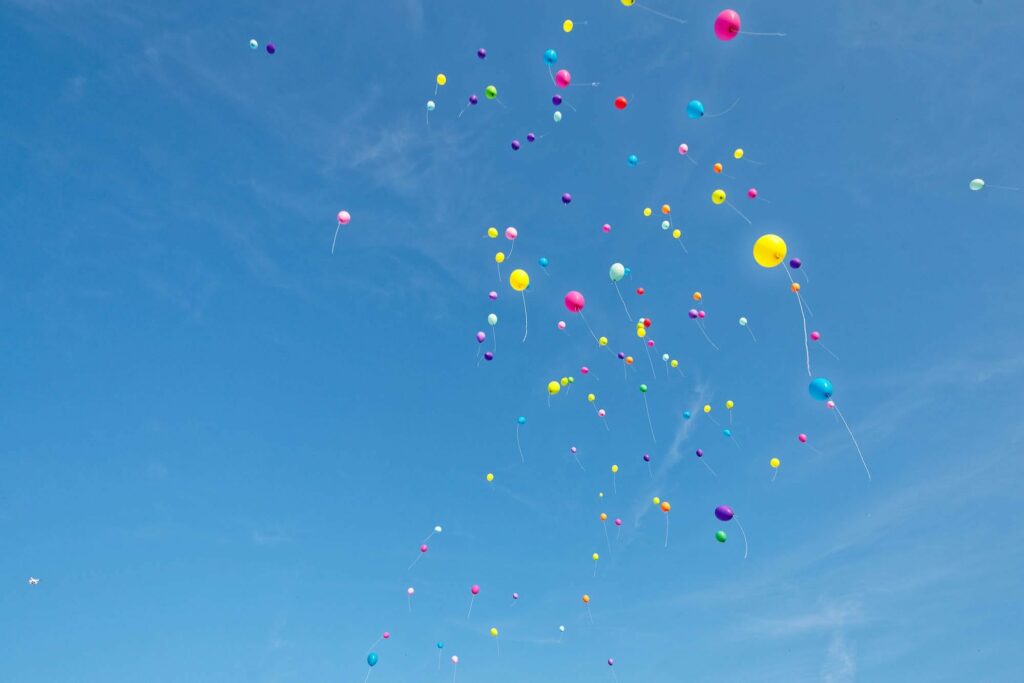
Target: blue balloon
{"type": "Point", "coordinates": [628, 270]}
{"type": "Point", "coordinates": [543, 261]}
{"type": "Point", "coordinates": [550, 56]}
{"type": "Point", "coordinates": [695, 109]}
{"type": "Point", "coordinates": [820, 389]}
{"type": "Point", "coordinates": [726, 432]}
{"type": "Point", "coordinates": [440, 645]}
{"type": "Point", "coordinates": [632, 160]}
{"type": "Point", "coordinates": [521, 420]}
{"type": "Point", "coordinates": [686, 414]}
{"type": "Point", "coordinates": [371, 659]}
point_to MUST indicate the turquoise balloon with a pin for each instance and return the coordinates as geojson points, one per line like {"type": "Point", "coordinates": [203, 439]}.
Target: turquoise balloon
{"type": "Point", "coordinates": [371, 659]}
{"type": "Point", "coordinates": [686, 414]}
{"type": "Point", "coordinates": [632, 160]}
{"type": "Point", "coordinates": [820, 389]}
{"type": "Point", "coordinates": [550, 56]}
{"type": "Point", "coordinates": [726, 432]}
{"type": "Point", "coordinates": [695, 109]}
{"type": "Point", "coordinates": [543, 261]}
{"type": "Point", "coordinates": [440, 645]}
{"type": "Point", "coordinates": [521, 420]}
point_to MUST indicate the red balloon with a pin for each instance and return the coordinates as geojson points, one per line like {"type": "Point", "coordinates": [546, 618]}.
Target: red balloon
{"type": "Point", "coordinates": [640, 291]}
{"type": "Point", "coordinates": [621, 102]}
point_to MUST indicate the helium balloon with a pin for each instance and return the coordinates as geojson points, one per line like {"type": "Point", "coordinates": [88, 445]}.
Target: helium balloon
{"type": "Point", "coordinates": [492, 295]}
{"type": "Point", "coordinates": [724, 513]}
{"type": "Point", "coordinates": [820, 389]}
{"type": "Point", "coordinates": [543, 262]}
{"type": "Point", "coordinates": [440, 645]}
{"type": "Point", "coordinates": [556, 99]}
{"type": "Point", "coordinates": [976, 184]}
{"type": "Point", "coordinates": [684, 148]}
{"type": "Point", "coordinates": [665, 506]}
{"type": "Point", "coordinates": [802, 438]}
{"type": "Point", "coordinates": [686, 414]}
{"type": "Point", "coordinates": [481, 337]}
{"type": "Point", "coordinates": [490, 477]}
{"type": "Point", "coordinates": [511, 233]}
{"type": "Point", "coordinates": [492, 319]}
{"type": "Point", "coordinates": [455, 659]}
{"type": "Point", "coordinates": [253, 44]}
{"type": "Point", "coordinates": [717, 168]}
{"type": "Point", "coordinates": [519, 279]}
{"type": "Point", "coordinates": [554, 388]}
{"type": "Point", "coordinates": [603, 341]}
{"type": "Point", "coordinates": [563, 78]}
{"type": "Point", "coordinates": [647, 211]}
{"type": "Point", "coordinates": [271, 48]}
{"type": "Point", "coordinates": [499, 257]}
{"type": "Point", "coordinates": [441, 79]}
{"type": "Point", "coordinates": [743, 321]}
{"type": "Point", "coordinates": [621, 102]}
{"type": "Point", "coordinates": [632, 160]}
{"type": "Point", "coordinates": [371, 659]}
{"type": "Point", "coordinates": [530, 137]}
{"type": "Point", "coordinates": [481, 53]}
{"type": "Point", "coordinates": [574, 301]}
{"type": "Point", "coordinates": [752, 193]}
{"type": "Point", "coordinates": [344, 217]}
{"type": "Point", "coordinates": [769, 250]}
{"type": "Point", "coordinates": [491, 92]}
{"type": "Point", "coordinates": [473, 99]}
{"type": "Point", "coordinates": [595, 557]}
{"type": "Point", "coordinates": [494, 632]}
{"type": "Point", "coordinates": [567, 25]}
{"type": "Point", "coordinates": [474, 589]}
{"type": "Point", "coordinates": [718, 197]}
{"type": "Point", "coordinates": [550, 57]}
{"type": "Point", "coordinates": [795, 263]}
{"type": "Point", "coordinates": [557, 116]}
{"type": "Point", "coordinates": [430, 105]}
{"type": "Point", "coordinates": [566, 198]}
{"type": "Point", "coordinates": [727, 24]}
{"type": "Point", "coordinates": [617, 272]}
{"type": "Point", "coordinates": [516, 145]}
{"type": "Point", "coordinates": [738, 154]}
{"type": "Point", "coordinates": [521, 420]}
{"type": "Point", "coordinates": [628, 3]}
{"type": "Point", "coordinates": [586, 598]}
{"type": "Point", "coordinates": [775, 462]}
{"type": "Point", "coordinates": [695, 109]}
{"type": "Point", "coordinates": [720, 536]}
{"type": "Point", "coordinates": [729, 405]}
{"type": "Point", "coordinates": [492, 233]}
{"type": "Point", "coordinates": [410, 590]}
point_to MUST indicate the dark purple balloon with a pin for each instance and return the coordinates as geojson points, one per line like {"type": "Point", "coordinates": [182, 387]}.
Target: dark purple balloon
{"type": "Point", "coordinates": [692, 313]}
{"type": "Point", "coordinates": [795, 263]}
{"type": "Point", "coordinates": [647, 458]}
{"type": "Point", "coordinates": [621, 355]}
{"type": "Point", "coordinates": [515, 145]}
{"type": "Point", "coordinates": [556, 100]}
{"type": "Point", "coordinates": [488, 355]}
{"type": "Point", "coordinates": [271, 48]}
{"type": "Point", "coordinates": [530, 137]}
{"type": "Point", "coordinates": [566, 198]}
{"type": "Point", "coordinates": [723, 512]}
{"type": "Point", "coordinates": [481, 53]}
{"type": "Point", "coordinates": [473, 99]}
{"type": "Point", "coordinates": [700, 453]}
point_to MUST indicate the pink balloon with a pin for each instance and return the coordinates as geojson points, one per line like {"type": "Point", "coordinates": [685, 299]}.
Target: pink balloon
{"type": "Point", "coordinates": [386, 635]}
{"type": "Point", "coordinates": [831, 404]}
{"type": "Point", "coordinates": [618, 522]}
{"type": "Point", "coordinates": [344, 217]}
{"type": "Point", "coordinates": [700, 314]}
{"type": "Point", "coordinates": [455, 659]}
{"type": "Point", "coordinates": [727, 24]}
{"type": "Point", "coordinates": [815, 336]}
{"type": "Point", "coordinates": [561, 324]}
{"type": "Point", "coordinates": [492, 295]}
{"type": "Point", "coordinates": [684, 148]}
{"type": "Point", "coordinates": [572, 449]}
{"type": "Point", "coordinates": [480, 337]}
{"type": "Point", "coordinates": [574, 301]}
{"type": "Point", "coordinates": [802, 437]}
{"type": "Point", "coordinates": [563, 78]}
{"type": "Point", "coordinates": [752, 193]}
{"type": "Point", "coordinates": [601, 413]}
{"type": "Point", "coordinates": [474, 589]}
{"type": "Point", "coordinates": [410, 590]}
{"type": "Point", "coordinates": [511, 233]}
{"type": "Point", "coordinates": [585, 370]}
{"type": "Point", "coordinates": [606, 227]}
{"type": "Point", "coordinates": [650, 343]}
{"type": "Point", "coordinates": [423, 548]}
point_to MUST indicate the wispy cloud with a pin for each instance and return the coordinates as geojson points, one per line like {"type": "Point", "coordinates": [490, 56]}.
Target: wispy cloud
{"type": "Point", "coordinates": [840, 663]}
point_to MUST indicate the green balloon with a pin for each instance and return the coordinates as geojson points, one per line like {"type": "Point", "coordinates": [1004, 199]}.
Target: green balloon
{"type": "Point", "coordinates": [977, 184]}
{"type": "Point", "coordinates": [643, 388]}
{"type": "Point", "coordinates": [720, 535]}
{"type": "Point", "coordinates": [491, 92]}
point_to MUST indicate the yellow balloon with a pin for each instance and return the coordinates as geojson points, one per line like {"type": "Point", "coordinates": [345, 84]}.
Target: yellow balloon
{"type": "Point", "coordinates": [677, 233]}
{"type": "Point", "coordinates": [656, 500]}
{"type": "Point", "coordinates": [718, 197]}
{"type": "Point", "coordinates": [499, 257]}
{"type": "Point", "coordinates": [775, 462]}
{"type": "Point", "coordinates": [518, 279]}
{"type": "Point", "coordinates": [729, 405]}
{"type": "Point", "coordinates": [490, 477]}
{"type": "Point", "coordinates": [441, 79]}
{"type": "Point", "coordinates": [674, 363]}
{"type": "Point", "coordinates": [494, 632]}
{"type": "Point", "coordinates": [567, 25]}
{"type": "Point", "coordinates": [591, 398]}
{"type": "Point", "coordinates": [554, 387]}
{"type": "Point", "coordinates": [596, 557]}
{"type": "Point", "coordinates": [647, 211]}
{"type": "Point", "coordinates": [615, 468]}
{"type": "Point", "coordinates": [641, 332]}
{"type": "Point", "coordinates": [628, 3]}
{"type": "Point", "coordinates": [565, 381]}
{"type": "Point", "coordinates": [492, 233]}
{"type": "Point", "coordinates": [603, 341]}
{"type": "Point", "coordinates": [738, 153]}
{"type": "Point", "coordinates": [707, 408]}
{"type": "Point", "coordinates": [769, 250]}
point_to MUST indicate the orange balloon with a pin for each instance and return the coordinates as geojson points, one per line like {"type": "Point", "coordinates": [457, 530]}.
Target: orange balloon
{"type": "Point", "coordinates": [604, 517]}
{"type": "Point", "coordinates": [629, 360]}
{"type": "Point", "coordinates": [586, 598]}
{"type": "Point", "coordinates": [795, 286]}
{"type": "Point", "coordinates": [718, 168]}
{"type": "Point", "coordinates": [665, 507]}
{"type": "Point", "coordinates": [697, 296]}
{"type": "Point", "coordinates": [666, 209]}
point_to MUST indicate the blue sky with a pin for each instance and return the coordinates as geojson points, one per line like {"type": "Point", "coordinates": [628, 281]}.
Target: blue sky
{"type": "Point", "coordinates": [220, 445]}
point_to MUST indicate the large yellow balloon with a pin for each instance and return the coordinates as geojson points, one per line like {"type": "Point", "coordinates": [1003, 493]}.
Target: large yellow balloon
{"type": "Point", "coordinates": [628, 3]}
{"type": "Point", "coordinates": [554, 387]}
{"type": "Point", "coordinates": [441, 79]}
{"type": "Point", "coordinates": [567, 25]}
{"type": "Point", "coordinates": [499, 257]}
{"type": "Point", "coordinates": [591, 397]}
{"type": "Point", "coordinates": [519, 279]}
{"type": "Point", "coordinates": [769, 250]}
{"type": "Point", "coordinates": [603, 341]}
{"type": "Point", "coordinates": [718, 197]}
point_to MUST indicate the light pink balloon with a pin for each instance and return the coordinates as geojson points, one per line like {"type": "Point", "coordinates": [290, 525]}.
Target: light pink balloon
{"type": "Point", "coordinates": [455, 659]}
{"type": "Point", "coordinates": [650, 343]}
{"type": "Point", "coordinates": [410, 590]}
{"type": "Point", "coordinates": [601, 413]}
{"type": "Point", "coordinates": [572, 449]}
{"type": "Point", "coordinates": [618, 522]}
{"type": "Point", "coordinates": [831, 404]}
{"type": "Point", "coordinates": [386, 635]}
{"type": "Point", "coordinates": [700, 314]}
{"type": "Point", "coordinates": [492, 295]}
{"type": "Point", "coordinates": [344, 217]}
{"type": "Point", "coordinates": [480, 337]}
{"type": "Point", "coordinates": [684, 148]}
{"type": "Point", "coordinates": [574, 301]}
{"type": "Point", "coordinates": [511, 233]}
{"type": "Point", "coordinates": [561, 324]}
{"type": "Point", "coordinates": [563, 78]}
{"type": "Point", "coordinates": [727, 24]}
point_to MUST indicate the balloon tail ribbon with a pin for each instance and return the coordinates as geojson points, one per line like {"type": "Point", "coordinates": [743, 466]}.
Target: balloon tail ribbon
{"type": "Point", "coordinates": [682, 246]}
{"type": "Point", "coordinates": [569, 104]}
{"type": "Point", "coordinates": [367, 674]}
{"type": "Point", "coordinates": [588, 327]}
{"type": "Point", "coordinates": [681, 373]}
{"type": "Point", "coordinates": [512, 249]}
{"type": "Point", "coordinates": [745, 546]}
{"type": "Point", "coordinates": [751, 333]}
{"type": "Point", "coordinates": [663, 16]}
{"type": "Point", "coordinates": [668, 375]}
{"type": "Point", "coordinates": [713, 419]}
{"type": "Point", "coordinates": [649, 423]}
{"type": "Point", "coordinates": [614, 485]}
{"type": "Point", "coordinates": [624, 306]}
{"type": "Point", "coordinates": [807, 349]}
{"type": "Point", "coordinates": [807, 306]}
{"type": "Point", "coordinates": [551, 73]}
{"type": "Point", "coordinates": [595, 569]}
{"type": "Point", "coordinates": [499, 272]}
{"type": "Point", "coordinates": [578, 461]}
{"type": "Point", "coordinates": [526, 318]}
{"type": "Point", "coordinates": [736, 441]}
{"type": "Point", "coordinates": [855, 444]}
{"type": "Point", "coordinates": [336, 230]}
{"type": "Point", "coordinates": [829, 351]}
{"type": "Point", "coordinates": [470, 606]}
{"type": "Point", "coordinates": [370, 649]}
{"type": "Point", "coordinates": [722, 113]}
{"type": "Point", "coordinates": [706, 336]}
{"type": "Point", "coordinates": [410, 568]}
{"type": "Point", "coordinates": [650, 472]}
{"type": "Point", "coordinates": [651, 360]}
{"type": "Point", "coordinates": [590, 614]}
{"type": "Point", "coordinates": [410, 602]}
{"type": "Point", "coordinates": [709, 467]}
{"type": "Point", "coordinates": [729, 204]}
{"type": "Point", "coordinates": [692, 160]}
{"type": "Point", "coordinates": [593, 84]}
{"type": "Point", "coordinates": [775, 473]}
{"type": "Point", "coordinates": [519, 446]}
{"type": "Point", "coordinates": [806, 278]}
{"type": "Point", "coordinates": [607, 540]}
{"type": "Point", "coordinates": [666, 529]}
{"type": "Point", "coordinates": [776, 35]}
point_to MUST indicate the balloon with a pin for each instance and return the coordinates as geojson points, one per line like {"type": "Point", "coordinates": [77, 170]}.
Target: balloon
{"type": "Point", "coordinates": [606, 227]}
{"type": "Point", "coordinates": [410, 590]}
{"type": "Point", "coordinates": [371, 659]}
{"type": "Point", "coordinates": [530, 137]}
{"type": "Point", "coordinates": [492, 319]}
{"type": "Point", "coordinates": [615, 468]}
{"type": "Point", "coordinates": [738, 154]}
{"type": "Point", "coordinates": [686, 414]}
{"type": "Point", "coordinates": [490, 477]}
{"type": "Point", "coordinates": [424, 548]}
{"type": "Point", "coordinates": [492, 232]}
{"type": "Point", "coordinates": [491, 92]}
{"type": "Point", "coordinates": [643, 388]}
{"type": "Point", "coordinates": [700, 453]}
{"type": "Point", "coordinates": [271, 48]}
{"type": "Point", "coordinates": [632, 160]}
{"type": "Point", "coordinates": [481, 337]}
{"type": "Point", "coordinates": [684, 148]}
{"type": "Point", "coordinates": [430, 105]}
{"type": "Point", "coordinates": [561, 628]}
{"type": "Point", "coordinates": [795, 263]}
{"type": "Point", "coordinates": [554, 387]}
{"type": "Point", "coordinates": [473, 99]}
{"type": "Point", "coordinates": [586, 598]}
{"type": "Point", "coordinates": [556, 99]}
{"type": "Point", "coordinates": [743, 321]}
{"type": "Point", "coordinates": [499, 257]}
{"type": "Point", "coordinates": [516, 145]}
{"type": "Point", "coordinates": [515, 596]}
{"type": "Point", "coordinates": [481, 53]}
{"type": "Point", "coordinates": [665, 506]}
{"type": "Point", "coordinates": [752, 193]}
{"type": "Point", "coordinates": [595, 557]}
{"type": "Point", "coordinates": [820, 389]}
{"type": "Point", "coordinates": [695, 109]}
{"type": "Point", "coordinates": [677, 233]}
{"type": "Point", "coordinates": [550, 57]}
{"type": "Point", "coordinates": [815, 336]}
{"type": "Point", "coordinates": [440, 645]}
{"type": "Point", "coordinates": [795, 286]}
{"type": "Point", "coordinates": [492, 295]}
{"type": "Point", "coordinates": [617, 272]}
{"type": "Point", "coordinates": [567, 25]}
{"type": "Point", "coordinates": [438, 529]}
{"type": "Point", "coordinates": [724, 513]}
{"type": "Point", "coordinates": [707, 408]}
{"type": "Point", "coordinates": [726, 432]}
{"type": "Point", "coordinates": [717, 168]}
{"type": "Point", "coordinates": [647, 212]}
{"type": "Point", "coordinates": [775, 462]}
{"type": "Point", "coordinates": [566, 198]}
{"type": "Point", "coordinates": [601, 413]}
{"type": "Point", "coordinates": [488, 355]}
{"type": "Point", "coordinates": [519, 279]}
{"type": "Point", "coordinates": [574, 301]}
{"type": "Point", "coordinates": [729, 405]}
{"type": "Point", "coordinates": [563, 78]}
{"type": "Point", "coordinates": [557, 116]}
{"type": "Point", "coordinates": [344, 217]}
{"type": "Point", "coordinates": [675, 364]}
{"type": "Point", "coordinates": [253, 44]}
{"type": "Point", "coordinates": [591, 397]}
{"type": "Point", "coordinates": [521, 420]}
{"type": "Point", "coordinates": [611, 661]}
{"type": "Point", "coordinates": [543, 262]}
{"type": "Point", "coordinates": [977, 184]}
{"type": "Point", "coordinates": [647, 457]}
{"type": "Point", "coordinates": [494, 632]}
{"type": "Point", "coordinates": [802, 438]}
{"type": "Point", "coordinates": [455, 659]}
{"type": "Point", "coordinates": [718, 197]}
{"type": "Point", "coordinates": [474, 589]}
{"type": "Point", "coordinates": [561, 326]}
{"type": "Point", "coordinates": [618, 522]}
{"type": "Point", "coordinates": [720, 536]}
{"type": "Point", "coordinates": [511, 233]}
{"type": "Point", "coordinates": [628, 3]}
{"type": "Point", "coordinates": [769, 250]}
{"type": "Point", "coordinates": [621, 102]}
{"type": "Point", "coordinates": [602, 341]}
{"type": "Point", "coordinates": [441, 79]}
{"type": "Point", "coordinates": [727, 24]}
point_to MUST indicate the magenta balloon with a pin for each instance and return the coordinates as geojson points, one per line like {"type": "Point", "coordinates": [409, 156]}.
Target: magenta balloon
{"type": "Point", "coordinates": [727, 24]}
{"type": "Point", "coordinates": [563, 78]}
{"type": "Point", "coordinates": [574, 301]}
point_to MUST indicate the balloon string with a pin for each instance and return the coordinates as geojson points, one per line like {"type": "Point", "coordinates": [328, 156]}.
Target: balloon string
{"type": "Point", "coordinates": [588, 327]}
{"type": "Point", "coordinates": [682, 246]}
{"type": "Point", "coordinates": [709, 467]}
{"type": "Point", "coordinates": [494, 338]}
{"type": "Point", "coordinates": [829, 351]}
{"type": "Point", "coordinates": [606, 539]}
{"type": "Point", "coordinates": [519, 446]}
{"type": "Point", "coordinates": [624, 306]}
{"type": "Point", "coordinates": [551, 73]}
{"type": "Point", "coordinates": [526, 318]}
{"type": "Point", "coordinates": [778, 35]}
{"type": "Point", "coordinates": [803, 300]}
{"type": "Point", "coordinates": [578, 460]}
{"type": "Point", "coordinates": [614, 485]}
{"type": "Point", "coordinates": [470, 606]}
{"type": "Point", "coordinates": [807, 349]}
{"type": "Point", "coordinates": [370, 649]}
{"type": "Point", "coordinates": [806, 278]}
{"type": "Point", "coordinates": [410, 567]}
{"type": "Point", "coordinates": [701, 327]}
{"type": "Point", "coordinates": [731, 107]}
{"type": "Point", "coordinates": [775, 473]}
{"type": "Point", "coordinates": [648, 349]}
{"type": "Point", "coordinates": [335, 236]}
{"type": "Point", "coordinates": [729, 204]}
{"type": "Point", "coordinates": [663, 16]}
{"type": "Point", "coordinates": [367, 674]}
{"type": "Point", "coordinates": [584, 85]}
{"type": "Point", "coordinates": [666, 530]}
{"type": "Point", "coordinates": [751, 333]}
{"type": "Point", "coordinates": [854, 439]}
{"type": "Point", "coordinates": [649, 423]}
{"type": "Point", "coordinates": [745, 547]}
{"type": "Point", "coordinates": [512, 249]}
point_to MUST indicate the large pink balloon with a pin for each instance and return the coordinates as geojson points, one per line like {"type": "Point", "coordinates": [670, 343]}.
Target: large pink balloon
{"type": "Point", "coordinates": [727, 24]}
{"type": "Point", "coordinates": [563, 78]}
{"type": "Point", "coordinates": [344, 217]}
{"type": "Point", "coordinates": [574, 301]}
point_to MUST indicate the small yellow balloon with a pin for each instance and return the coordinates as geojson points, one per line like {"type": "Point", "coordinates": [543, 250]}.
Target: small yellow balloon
{"type": "Point", "coordinates": [697, 296]}
{"type": "Point", "coordinates": [518, 279]}
{"type": "Point", "coordinates": [492, 233]}
{"type": "Point", "coordinates": [677, 233]}
{"type": "Point", "coordinates": [656, 500]}
{"type": "Point", "coordinates": [441, 79]}
{"type": "Point", "coordinates": [647, 211]}
{"type": "Point", "coordinates": [591, 398]}
{"type": "Point", "coordinates": [674, 363]}
{"type": "Point", "coordinates": [596, 557]}
{"type": "Point", "coordinates": [554, 387]}
{"type": "Point", "coordinates": [641, 332]}
{"type": "Point", "coordinates": [769, 250]}
{"type": "Point", "coordinates": [490, 477]}
{"type": "Point", "coordinates": [738, 153]}
{"type": "Point", "coordinates": [718, 197]}
{"type": "Point", "coordinates": [729, 405]}
{"type": "Point", "coordinates": [775, 462]}
{"type": "Point", "coordinates": [615, 468]}
{"type": "Point", "coordinates": [603, 341]}
{"type": "Point", "coordinates": [567, 25]}
{"type": "Point", "coordinates": [499, 257]}
{"type": "Point", "coordinates": [586, 598]}
{"type": "Point", "coordinates": [707, 408]}
{"type": "Point", "coordinates": [565, 381]}
{"type": "Point", "coordinates": [494, 632]}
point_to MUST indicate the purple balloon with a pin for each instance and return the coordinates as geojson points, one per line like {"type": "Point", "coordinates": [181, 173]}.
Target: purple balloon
{"type": "Point", "coordinates": [795, 263]}
{"type": "Point", "coordinates": [473, 99]}
{"type": "Point", "coordinates": [492, 295]}
{"type": "Point", "coordinates": [700, 453]}
{"type": "Point", "coordinates": [481, 53]}
{"type": "Point", "coordinates": [621, 355]}
{"type": "Point", "coordinates": [556, 100]}
{"type": "Point", "coordinates": [723, 512]}
{"type": "Point", "coordinates": [530, 137]}
{"type": "Point", "coordinates": [271, 48]}
{"type": "Point", "coordinates": [488, 355]}
{"type": "Point", "coordinates": [647, 458]}
{"type": "Point", "coordinates": [480, 337]}
{"type": "Point", "coordinates": [515, 145]}
{"type": "Point", "coordinates": [566, 198]}
{"type": "Point", "coordinates": [692, 313]}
